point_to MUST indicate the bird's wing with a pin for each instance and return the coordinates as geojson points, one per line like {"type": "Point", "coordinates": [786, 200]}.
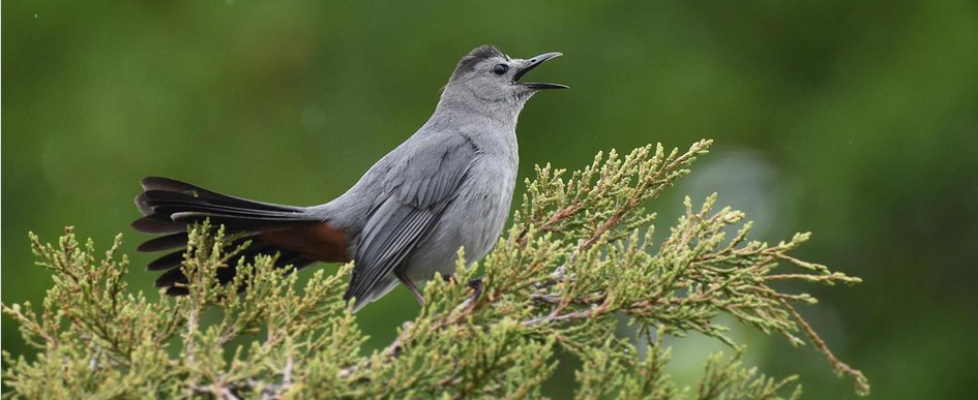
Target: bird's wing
{"type": "Point", "coordinates": [418, 188]}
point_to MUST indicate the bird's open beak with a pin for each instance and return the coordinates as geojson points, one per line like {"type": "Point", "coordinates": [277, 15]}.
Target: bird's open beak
{"type": "Point", "coordinates": [533, 62]}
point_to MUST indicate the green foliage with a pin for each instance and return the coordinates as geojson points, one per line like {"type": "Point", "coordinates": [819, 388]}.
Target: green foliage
{"type": "Point", "coordinates": [579, 258]}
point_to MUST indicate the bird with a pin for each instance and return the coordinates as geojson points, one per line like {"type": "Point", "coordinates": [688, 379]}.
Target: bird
{"type": "Point", "coordinates": [447, 187]}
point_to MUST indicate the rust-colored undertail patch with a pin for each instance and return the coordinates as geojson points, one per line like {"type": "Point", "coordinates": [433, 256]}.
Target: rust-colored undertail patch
{"type": "Point", "coordinates": [314, 240]}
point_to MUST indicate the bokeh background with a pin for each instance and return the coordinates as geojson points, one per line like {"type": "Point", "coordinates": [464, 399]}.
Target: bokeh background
{"type": "Point", "coordinates": [855, 120]}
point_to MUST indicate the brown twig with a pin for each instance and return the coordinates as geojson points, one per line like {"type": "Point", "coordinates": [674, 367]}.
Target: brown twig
{"type": "Point", "coordinates": [857, 377]}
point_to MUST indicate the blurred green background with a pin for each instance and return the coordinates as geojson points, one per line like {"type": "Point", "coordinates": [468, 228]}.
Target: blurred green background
{"type": "Point", "coordinates": [855, 120]}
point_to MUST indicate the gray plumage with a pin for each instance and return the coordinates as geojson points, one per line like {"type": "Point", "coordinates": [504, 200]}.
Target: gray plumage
{"type": "Point", "coordinates": [448, 186]}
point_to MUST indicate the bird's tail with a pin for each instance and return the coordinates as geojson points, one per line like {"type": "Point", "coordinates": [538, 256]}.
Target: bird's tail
{"type": "Point", "coordinates": [168, 206]}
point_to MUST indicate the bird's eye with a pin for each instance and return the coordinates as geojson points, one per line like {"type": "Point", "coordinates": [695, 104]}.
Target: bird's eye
{"type": "Point", "coordinates": [500, 69]}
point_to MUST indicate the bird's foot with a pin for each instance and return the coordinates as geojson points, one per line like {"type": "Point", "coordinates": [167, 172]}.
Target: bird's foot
{"type": "Point", "coordinates": [475, 284]}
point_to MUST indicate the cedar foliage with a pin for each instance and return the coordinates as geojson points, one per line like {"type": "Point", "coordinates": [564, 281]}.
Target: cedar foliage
{"type": "Point", "coordinates": [579, 258]}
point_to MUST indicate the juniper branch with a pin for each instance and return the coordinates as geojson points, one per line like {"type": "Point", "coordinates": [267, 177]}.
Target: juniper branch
{"type": "Point", "coordinates": [579, 255]}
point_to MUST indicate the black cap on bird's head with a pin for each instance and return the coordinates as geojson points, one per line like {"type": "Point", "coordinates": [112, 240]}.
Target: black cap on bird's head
{"type": "Point", "coordinates": [492, 75]}
{"type": "Point", "coordinates": [481, 53]}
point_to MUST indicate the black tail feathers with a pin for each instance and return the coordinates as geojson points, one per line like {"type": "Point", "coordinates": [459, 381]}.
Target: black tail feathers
{"type": "Point", "coordinates": [168, 206]}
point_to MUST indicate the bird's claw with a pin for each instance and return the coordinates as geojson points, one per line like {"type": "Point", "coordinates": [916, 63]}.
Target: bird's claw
{"type": "Point", "coordinates": [475, 284]}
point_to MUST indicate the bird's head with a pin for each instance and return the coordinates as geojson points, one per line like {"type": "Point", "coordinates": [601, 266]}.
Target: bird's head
{"type": "Point", "coordinates": [486, 74]}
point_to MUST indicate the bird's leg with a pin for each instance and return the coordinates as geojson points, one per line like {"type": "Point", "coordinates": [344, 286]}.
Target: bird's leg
{"type": "Point", "coordinates": [410, 285]}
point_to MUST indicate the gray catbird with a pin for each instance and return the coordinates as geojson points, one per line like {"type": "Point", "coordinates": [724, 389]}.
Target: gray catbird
{"type": "Point", "coordinates": [448, 186]}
